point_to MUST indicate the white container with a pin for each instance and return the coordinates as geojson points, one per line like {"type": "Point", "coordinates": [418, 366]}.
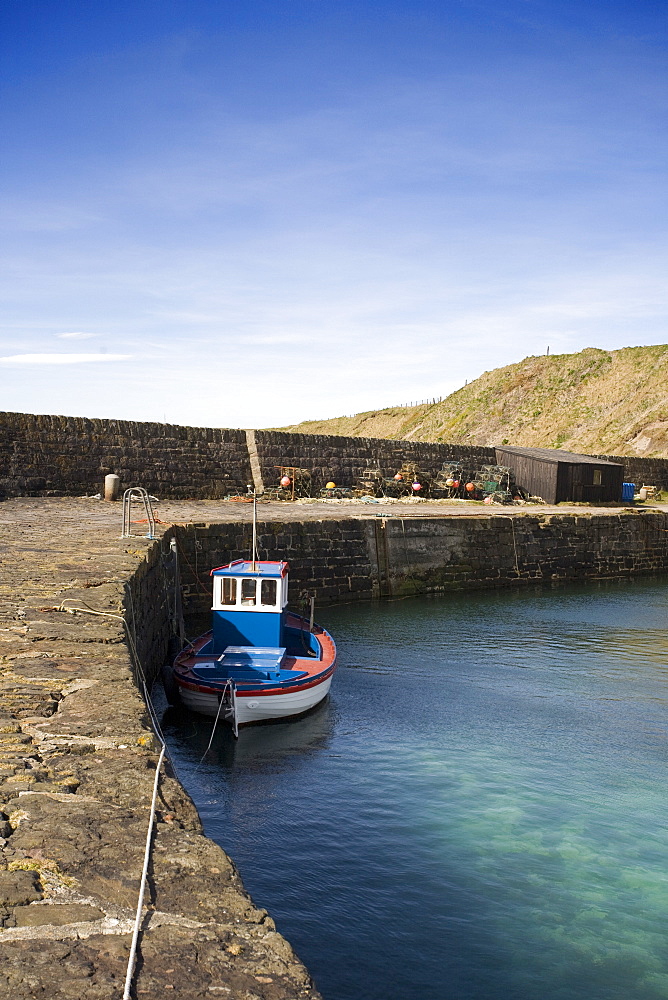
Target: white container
{"type": "Point", "coordinates": [112, 487]}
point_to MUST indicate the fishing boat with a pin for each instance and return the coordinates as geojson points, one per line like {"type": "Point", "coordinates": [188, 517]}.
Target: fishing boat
{"type": "Point", "coordinates": [259, 661]}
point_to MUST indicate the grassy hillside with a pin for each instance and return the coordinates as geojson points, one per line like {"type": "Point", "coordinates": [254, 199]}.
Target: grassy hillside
{"type": "Point", "coordinates": [606, 402]}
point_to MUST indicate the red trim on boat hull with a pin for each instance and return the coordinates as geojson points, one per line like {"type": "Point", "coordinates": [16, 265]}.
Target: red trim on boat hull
{"type": "Point", "coordinates": [257, 692]}
{"type": "Point", "coordinates": [203, 695]}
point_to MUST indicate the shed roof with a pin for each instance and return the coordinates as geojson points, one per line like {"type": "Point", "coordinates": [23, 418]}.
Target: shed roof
{"type": "Point", "coordinates": [555, 455]}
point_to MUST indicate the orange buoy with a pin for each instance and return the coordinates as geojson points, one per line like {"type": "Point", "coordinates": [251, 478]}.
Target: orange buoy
{"type": "Point", "coordinates": [398, 476]}
{"type": "Point", "coordinates": [469, 487]}
{"type": "Point", "coordinates": [285, 481]}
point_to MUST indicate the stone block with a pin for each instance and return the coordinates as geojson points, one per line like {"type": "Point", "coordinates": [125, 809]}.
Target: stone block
{"type": "Point", "coordinates": [19, 887]}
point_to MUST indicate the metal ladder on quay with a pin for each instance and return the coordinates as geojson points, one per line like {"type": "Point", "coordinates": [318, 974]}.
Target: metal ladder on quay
{"type": "Point", "coordinates": [140, 495]}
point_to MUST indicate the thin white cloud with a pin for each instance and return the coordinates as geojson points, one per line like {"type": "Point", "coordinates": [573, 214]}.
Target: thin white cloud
{"type": "Point", "coordinates": [19, 214]}
{"type": "Point", "coordinates": [75, 336]}
{"type": "Point", "coordinates": [60, 359]}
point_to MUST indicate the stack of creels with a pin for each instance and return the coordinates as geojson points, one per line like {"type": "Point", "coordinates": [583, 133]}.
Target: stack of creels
{"type": "Point", "coordinates": [370, 483]}
{"type": "Point", "coordinates": [410, 480]}
{"type": "Point", "coordinates": [293, 484]}
{"type": "Point", "coordinates": [450, 482]}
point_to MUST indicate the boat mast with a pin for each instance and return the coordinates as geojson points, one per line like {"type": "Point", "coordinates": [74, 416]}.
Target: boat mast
{"type": "Point", "coordinates": [254, 553]}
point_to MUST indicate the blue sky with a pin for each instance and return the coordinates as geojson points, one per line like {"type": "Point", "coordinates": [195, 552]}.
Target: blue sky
{"type": "Point", "coordinates": [247, 213]}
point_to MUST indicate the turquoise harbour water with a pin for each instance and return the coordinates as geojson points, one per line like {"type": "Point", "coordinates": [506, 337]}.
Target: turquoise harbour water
{"type": "Point", "coordinates": [479, 810]}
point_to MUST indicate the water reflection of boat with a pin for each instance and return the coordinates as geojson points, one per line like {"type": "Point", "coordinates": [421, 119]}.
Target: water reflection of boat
{"type": "Point", "coordinates": [259, 661]}
{"type": "Point", "coordinates": [276, 744]}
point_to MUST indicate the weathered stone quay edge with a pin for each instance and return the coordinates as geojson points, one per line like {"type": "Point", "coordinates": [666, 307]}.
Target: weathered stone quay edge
{"type": "Point", "coordinates": [77, 763]}
{"type": "Point", "coordinates": [408, 553]}
{"type": "Point", "coordinates": [77, 756]}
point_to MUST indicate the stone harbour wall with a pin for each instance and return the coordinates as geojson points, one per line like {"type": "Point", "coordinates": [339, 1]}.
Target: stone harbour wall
{"type": "Point", "coordinates": [642, 471]}
{"type": "Point", "coordinates": [436, 555]}
{"type": "Point", "coordinates": [355, 559]}
{"type": "Point", "coordinates": [149, 607]}
{"type": "Point", "coordinates": [328, 558]}
{"type": "Point", "coordinates": [343, 459]}
{"type": "Point", "coordinates": [70, 456]}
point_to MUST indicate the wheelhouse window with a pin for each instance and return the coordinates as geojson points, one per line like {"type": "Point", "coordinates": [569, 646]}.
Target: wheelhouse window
{"type": "Point", "coordinates": [228, 590]}
{"type": "Point", "coordinates": [597, 477]}
{"type": "Point", "coordinates": [268, 593]}
{"type": "Point", "coordinates": [248, 588]}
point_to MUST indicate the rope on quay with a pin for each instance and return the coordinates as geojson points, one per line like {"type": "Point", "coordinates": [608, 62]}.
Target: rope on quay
{"type": "Point", "coordinates": [133, 649]}
{"type": "Point", "coordinates": [142, 887]}
{"type": "Point", "coordinates": [151, 822]}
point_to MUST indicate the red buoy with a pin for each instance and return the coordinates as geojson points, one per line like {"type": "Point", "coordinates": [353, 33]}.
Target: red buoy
{"type": "Point", "coordinates": [285, 481]}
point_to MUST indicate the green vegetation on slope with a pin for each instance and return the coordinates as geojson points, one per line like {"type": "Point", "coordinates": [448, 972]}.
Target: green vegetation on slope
{"type": "Point", "coordinates": [605, 402]}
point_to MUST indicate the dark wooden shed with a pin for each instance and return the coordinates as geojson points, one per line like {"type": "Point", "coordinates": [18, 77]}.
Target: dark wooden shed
{"type": "Point", "coordinates": [562, 475]}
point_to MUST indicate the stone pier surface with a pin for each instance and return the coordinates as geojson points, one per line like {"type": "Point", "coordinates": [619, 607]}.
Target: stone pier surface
{"type": "Point", "coordinates": [77, 765]}
{"type": "Point", "coordinates": [77, 750]}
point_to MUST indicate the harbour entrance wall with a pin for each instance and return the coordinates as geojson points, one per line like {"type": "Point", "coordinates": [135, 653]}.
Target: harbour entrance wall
{"type": "Point", "coordinates": [70, 456]}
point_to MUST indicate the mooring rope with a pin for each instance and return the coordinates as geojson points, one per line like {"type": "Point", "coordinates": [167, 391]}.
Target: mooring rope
{"type": "Point", "coordinates": [142, 886]}
{"type": "Point", "coordinates": [133, 649]}
{"type": "Point", "coordinates": [228, 685]}
{"type": "Point", "coordinates": [512, 526]}
{"type": "Point", "coordinates": [204, 587]}
{"type": "Point", "coordinates": [163, 751]}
